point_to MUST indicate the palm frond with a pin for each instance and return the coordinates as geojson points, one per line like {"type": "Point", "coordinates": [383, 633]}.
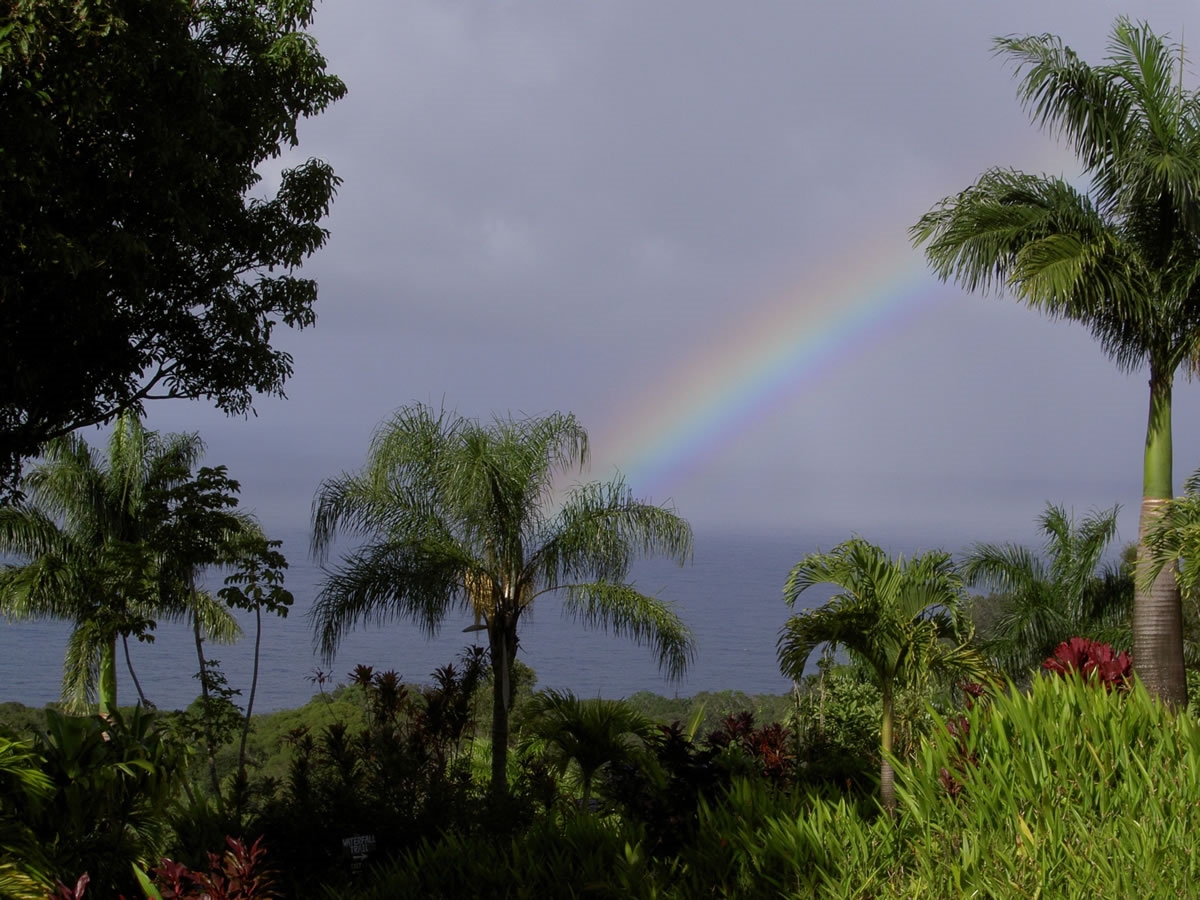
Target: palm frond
{"type": "Point", "coordinates": [29, 532]}
{"type": "Point", "coordinates": [385, 581]}
{"type": "Point", "coordinates": [887, 609]}
{"type": "Point", "coordinates": [81, 667]}
{"type": "Point", "coordinates": [837, 624]}
{"type": "Point", "coordinates": [591, 733]}
{"type": "Point", "coordinates": [216, 621]}
{"type": "Point", "coordinates": [600, 530]}
{"type": "Point", "coordinates": [625, 611]}
{"type": "Point", "coordinates": [1007, 569]}
{"type": "Point", "coordinates": [1174, 539]}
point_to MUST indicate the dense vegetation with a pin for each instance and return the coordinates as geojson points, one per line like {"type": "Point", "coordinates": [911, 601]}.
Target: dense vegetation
{"type": "Point", "coordinates": [999, 745]}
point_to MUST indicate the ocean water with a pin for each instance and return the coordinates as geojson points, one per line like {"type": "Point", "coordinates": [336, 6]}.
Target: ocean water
{"type": "Point", "coordinates": [730, 596]}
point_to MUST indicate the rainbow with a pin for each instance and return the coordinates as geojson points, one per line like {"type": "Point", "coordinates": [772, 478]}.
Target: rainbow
{"type": "Point", "coordinates": [776, 351]}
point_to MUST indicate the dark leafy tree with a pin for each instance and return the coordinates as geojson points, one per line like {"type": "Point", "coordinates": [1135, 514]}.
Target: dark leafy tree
{"type": "Point", "coordinates": [142, 254]}
{"type": "Point", "coordinates": [199, 526]}
{"type": "Point", "coordinates": [1122, 258]}
{"type": "Point", "coordinates": [257, 585]}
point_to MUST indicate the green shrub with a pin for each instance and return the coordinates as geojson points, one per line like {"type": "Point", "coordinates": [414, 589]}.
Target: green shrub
{"type": "Point", "coordinates": [1069, 791]}
{"type": "Point", "coordinates": [577, 857]}
{"type": "Point", "coordinates": [113, 782]}
{"type": "Point", "coordinates": [1066, 791]}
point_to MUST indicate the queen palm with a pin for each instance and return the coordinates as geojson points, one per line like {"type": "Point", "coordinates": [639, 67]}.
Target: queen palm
{"type": "Point", "coordinates": [901, 619]}
{"type": "Point", "coordinates": [1046, 599]}
{"type": "Point", "coordinates": [455, 514]}
{"type": "Point", "coordinates": [86, 537]}
{"type": "Point", "coordinates": [1123, 258]}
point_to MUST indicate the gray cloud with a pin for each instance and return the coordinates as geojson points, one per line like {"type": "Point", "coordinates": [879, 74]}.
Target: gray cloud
{"type": "Point", "coordinates": [555, 206]}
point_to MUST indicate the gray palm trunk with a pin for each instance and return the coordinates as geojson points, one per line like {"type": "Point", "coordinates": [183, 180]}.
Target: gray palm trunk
{"type": "Point", "coordinates": [1157, 610]}
{"type": "Point", "coordinates": [502, 640]}
{"type": "Point", "coordinates": [887, 775]}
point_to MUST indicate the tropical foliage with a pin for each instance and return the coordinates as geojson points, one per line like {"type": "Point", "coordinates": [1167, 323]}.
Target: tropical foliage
{"type": "Point", "coordinates": [1076, 782]}
{"type": "Point", "coordinates": [91, 535]}
{"type": "Point", "coordinates": [25, 871]}
{"type": "Point", "coordinates": [1043, 600]}
{"type": "Point", "coordinates": [902, 619]}
{"type": "Point", "coordinates": [1030, 795]}
{"type": "Point", "coordinates": [585, 734]}
{"type": "Point", "coordinates": [114, 782]}
{"type": "Point", "coordinates": [458, 514]}
{"type": "Point", "coordinates": [1121, 258]}
{"type": "Point", "coordinates": [1092, 660]}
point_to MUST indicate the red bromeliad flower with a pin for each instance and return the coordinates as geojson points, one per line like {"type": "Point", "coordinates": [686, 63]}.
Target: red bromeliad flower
{"type": "Point", "coordinates": [1092, 659]}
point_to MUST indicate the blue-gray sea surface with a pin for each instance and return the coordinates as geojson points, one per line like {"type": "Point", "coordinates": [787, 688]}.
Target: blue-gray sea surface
{"type": "Point", "coordinates": [730, 596]}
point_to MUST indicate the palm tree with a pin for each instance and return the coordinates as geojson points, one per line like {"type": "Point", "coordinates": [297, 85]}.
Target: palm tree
{"type": "Point", "coordinates": [1047, 599]}
{"type": "Point", "coordinates": [86, 534]}
{"type": "Point", "coordinates": [457, 514]}
{"type": "Point", "coordinates": [1122, 258]}
{"type": "Point", "coordinates": [589, 733]}
{"type": "Point", "coordinates": [901, 619]}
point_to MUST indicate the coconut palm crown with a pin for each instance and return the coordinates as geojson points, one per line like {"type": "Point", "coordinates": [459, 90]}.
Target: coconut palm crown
{"type": "Point", "coordinates": [1122, 257]}
{"type": "Point", "coordinates": [900, 618]}
{"type": "Point", "coordinates": [454, 514]}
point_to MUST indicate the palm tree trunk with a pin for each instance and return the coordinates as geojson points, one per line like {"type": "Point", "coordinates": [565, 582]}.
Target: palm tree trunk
{"type": "Point", "coordinates": [107, 689]}
{"type": "Point", "coordinates": [887, 775]}
{"type": "Point", "coordinates": [132, 674]}
{"type": "Point", "coordinates": [1157, 611]}
{"type": "Point", "coordinates": [502, 638]}
{"type": "Point", "coordinates": [585, 802]}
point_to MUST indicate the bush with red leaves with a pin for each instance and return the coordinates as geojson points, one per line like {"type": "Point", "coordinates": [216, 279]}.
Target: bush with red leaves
{"type": "Point", "coordinates": [770, 747]}
{"type": "Point", "coordinates": [1092, 660]}
{"type": "Point", "coordinates": [238, 874]}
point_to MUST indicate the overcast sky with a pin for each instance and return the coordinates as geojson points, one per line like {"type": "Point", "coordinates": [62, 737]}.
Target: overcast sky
{"type": "Point", "coordinates": [623, 209]}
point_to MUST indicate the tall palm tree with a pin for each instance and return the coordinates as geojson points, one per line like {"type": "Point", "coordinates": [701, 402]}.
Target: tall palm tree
{"type": "Point", "coordinates": [458, 514]}
{"type": "Point", "coordinates": [86, 535]}
{"type": "Point", "coordinates": [1047, 599]}
{"type": "Point", "coordinates": [899, 618]}
{"type": "Point", "coordinates": [1122, 258]}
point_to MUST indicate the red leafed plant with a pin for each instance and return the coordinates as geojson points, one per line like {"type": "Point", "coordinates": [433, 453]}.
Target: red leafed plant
{"type": "Point", "coordinates": [770, 746]}
{"type": "Point", "coordinates": [1092, 659]}
{"type": "Point", "coordinates": [237, 874]}
{"type": "Point", "coordinates": [958, 728]}
{"type": "Point", "coordinates": [63, 892]}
